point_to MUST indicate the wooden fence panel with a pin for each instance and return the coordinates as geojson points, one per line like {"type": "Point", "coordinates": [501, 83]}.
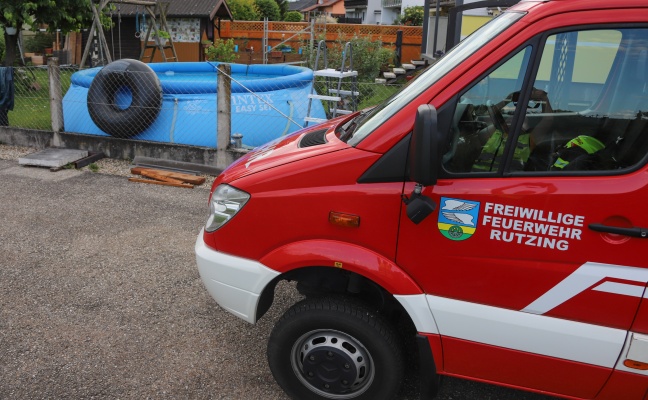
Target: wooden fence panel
{"type": "Point", "coordinates": [248, 34]}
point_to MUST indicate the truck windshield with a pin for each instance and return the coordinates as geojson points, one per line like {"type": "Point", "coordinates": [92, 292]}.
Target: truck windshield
{"type": "Point", "coordinates": [449, 61]}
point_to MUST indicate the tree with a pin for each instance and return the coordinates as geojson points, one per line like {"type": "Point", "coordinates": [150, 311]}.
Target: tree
{"type": "Point", "coordinates": [283, 8]}
{"type": "Point", "coordinates": [243, 10]}
{"type": "Point", "coordinates": [66, 15]}
{"type": "Point", "coordinates": [269, 9]}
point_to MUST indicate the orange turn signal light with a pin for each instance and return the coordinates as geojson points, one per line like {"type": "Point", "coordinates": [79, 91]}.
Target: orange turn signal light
{"type": "Point", "coordinates": [343, 219]}
{"type": "Point", "coordinates": [636, 364]}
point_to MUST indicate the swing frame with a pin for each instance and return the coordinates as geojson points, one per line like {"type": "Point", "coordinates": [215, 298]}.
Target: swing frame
{"type": "Point", "coordinates": [149, 6]}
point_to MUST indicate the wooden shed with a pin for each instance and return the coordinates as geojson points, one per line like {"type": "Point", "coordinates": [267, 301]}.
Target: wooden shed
{"type": "Point", "coordinates": [189, 22]}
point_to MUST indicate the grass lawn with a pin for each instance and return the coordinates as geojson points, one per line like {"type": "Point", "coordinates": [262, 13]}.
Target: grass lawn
{"type": "Point", "coordinates": [379, 94]}
{"type": "Point", "coordinates": [31, 102]}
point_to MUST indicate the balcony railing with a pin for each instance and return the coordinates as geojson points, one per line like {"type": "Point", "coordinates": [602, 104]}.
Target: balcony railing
{"type": "Point", "coordinates": [392, 3]}
{"type": "Point", "coordinates": [355, 3]}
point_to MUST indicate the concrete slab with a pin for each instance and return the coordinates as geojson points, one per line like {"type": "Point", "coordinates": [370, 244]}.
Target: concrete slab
{"type": "Point", "coordinates": [53, 158]}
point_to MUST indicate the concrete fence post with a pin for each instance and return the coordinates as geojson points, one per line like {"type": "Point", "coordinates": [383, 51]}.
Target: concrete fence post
{"type": "Point", "coordinates": [56, 96]}
{"type": "Point", "coordinates": [224, 115]}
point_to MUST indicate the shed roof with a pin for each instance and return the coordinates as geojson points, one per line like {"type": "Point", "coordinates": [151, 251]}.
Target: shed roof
{"type": "Point", "coordinates": [177, 8]}
{"type": "Point", "coordinates": [300, 5]}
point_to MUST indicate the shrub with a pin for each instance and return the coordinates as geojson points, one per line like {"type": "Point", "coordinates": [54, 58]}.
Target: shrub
{"type": "Point", "coordinates": [243, 10]}
{"type": "Point", "coordinates": [283, 8]}
{"type": "Point", "coordinates": [368, 56]}
{"type": "Point", "coordinates": [269, 9]}
{"type": "Point", "coordinates": [412, 16]}
{"type": "Point", "coordinates": [325, 19]}
{"type": "Point", "coordinates": [293, 16]}
{"type": "Point", "coordinates": [221, 50]}
{"type": "Point", "coordinates": [39, 42]}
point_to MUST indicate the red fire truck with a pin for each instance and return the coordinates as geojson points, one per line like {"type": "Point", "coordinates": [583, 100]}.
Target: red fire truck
{"type": "Point", "coordinates": [489, 218]}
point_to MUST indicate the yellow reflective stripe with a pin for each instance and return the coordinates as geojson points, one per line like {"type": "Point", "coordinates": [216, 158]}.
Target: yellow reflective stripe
{"type": "Point", "coordinates": [560, 163]}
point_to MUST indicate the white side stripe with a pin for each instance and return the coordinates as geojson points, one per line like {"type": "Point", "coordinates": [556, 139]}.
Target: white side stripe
{"type": "Point", "coordinates": [620, 288]}
{"type": "Point", "coordinates": [553, 337]}
{"type": "Point", "coordinates": [584, 277]}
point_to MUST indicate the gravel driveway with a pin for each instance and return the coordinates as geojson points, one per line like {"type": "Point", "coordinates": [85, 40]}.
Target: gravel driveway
{"type": "Point", "coordinates": [100, 296]}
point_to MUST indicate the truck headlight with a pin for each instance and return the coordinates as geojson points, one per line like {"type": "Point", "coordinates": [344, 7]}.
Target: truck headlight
{"type": "Point", "coordinates": [225, 202]}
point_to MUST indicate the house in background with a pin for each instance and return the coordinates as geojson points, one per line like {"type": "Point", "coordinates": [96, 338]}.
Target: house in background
{"type": "Point", "coordinates": [301, 6]}
{"type": "Point", "coordinates": [314, 8]}
{"type": "Point", "coordinates": [334, 8]}
{"type": "Point", "coordinates": [385, 12]}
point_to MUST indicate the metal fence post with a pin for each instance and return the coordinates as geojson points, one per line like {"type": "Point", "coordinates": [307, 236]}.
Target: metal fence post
{"type": "Point", "coordinates": [224, 115]}
{"type": "Point", "coordinates": [56, 97]}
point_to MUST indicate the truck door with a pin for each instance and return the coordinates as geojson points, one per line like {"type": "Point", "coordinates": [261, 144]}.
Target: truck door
{"type": "Point", "coordinates": [534, 262]}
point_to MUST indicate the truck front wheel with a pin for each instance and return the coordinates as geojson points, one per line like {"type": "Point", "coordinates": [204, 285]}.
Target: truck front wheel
{"type": "Point", "coordinates": [335, 348]}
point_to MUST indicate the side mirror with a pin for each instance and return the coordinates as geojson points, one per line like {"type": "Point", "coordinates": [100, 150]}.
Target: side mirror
{"type": "Point", "coordinates": [422, 163]}
{"type": "Point", "coordinates": [423, 149]}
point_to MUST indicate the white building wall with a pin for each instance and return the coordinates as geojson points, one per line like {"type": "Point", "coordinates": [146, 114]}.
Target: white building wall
{"type": "Point", "coordinates": [389, 15]}
{"type": "Point", "coordinates": [372, 17]}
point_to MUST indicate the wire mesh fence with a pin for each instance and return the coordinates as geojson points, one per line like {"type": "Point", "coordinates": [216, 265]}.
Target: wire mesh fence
{"type": "Point", "coordinates": [172, 105]}
{"type": "Point", "coordinates": [32, 98]}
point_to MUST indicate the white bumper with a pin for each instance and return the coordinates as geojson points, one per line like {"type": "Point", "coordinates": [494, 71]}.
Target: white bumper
{"type": "Point", "coordinates": [234, 282]}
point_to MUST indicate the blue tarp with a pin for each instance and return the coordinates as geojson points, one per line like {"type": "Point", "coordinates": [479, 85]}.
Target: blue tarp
{"type": "Point", "coordinates": [6, 94]}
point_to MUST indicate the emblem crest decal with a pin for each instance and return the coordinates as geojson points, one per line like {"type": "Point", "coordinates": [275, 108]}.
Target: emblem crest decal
{"type": "Point", "coordinates": [458, 218]}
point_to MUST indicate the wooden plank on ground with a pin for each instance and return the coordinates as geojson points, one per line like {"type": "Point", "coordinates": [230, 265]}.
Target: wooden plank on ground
{"type": "Point", "coordinates": [196, 180]}
{"type": "Point", "coordinates": [154, 182]}
{"type": "Point", "coordinates": [159, 177]}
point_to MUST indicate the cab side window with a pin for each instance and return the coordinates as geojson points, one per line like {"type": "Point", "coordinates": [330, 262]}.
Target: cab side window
{"type": "Point", "coordinates": [481, 123]}
{"type": "Point", "coordinates": [586, 108]}
{"type": "Point", "coordinates": [596, 102]}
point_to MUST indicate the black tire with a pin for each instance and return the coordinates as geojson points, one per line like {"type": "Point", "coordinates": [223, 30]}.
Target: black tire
{"type": "Point", "coordinates": [346, 346]}
{"type": "Point", "coordinates": [118, 77]}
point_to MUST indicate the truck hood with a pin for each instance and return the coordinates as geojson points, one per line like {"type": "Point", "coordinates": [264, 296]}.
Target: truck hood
{"type": "Point", "coordinates": [307, 143]}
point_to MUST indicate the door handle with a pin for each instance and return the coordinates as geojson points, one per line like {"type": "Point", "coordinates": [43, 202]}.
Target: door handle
{"type": "Point", "coordinates": [633, 232]}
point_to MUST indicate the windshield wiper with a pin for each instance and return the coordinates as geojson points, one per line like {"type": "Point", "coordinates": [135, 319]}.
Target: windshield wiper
{"type": "Point", "coordinates": [350, 127]}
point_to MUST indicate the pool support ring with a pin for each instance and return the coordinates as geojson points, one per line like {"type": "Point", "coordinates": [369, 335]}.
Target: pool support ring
{"type": "Point", "coordinates": [124, 98]}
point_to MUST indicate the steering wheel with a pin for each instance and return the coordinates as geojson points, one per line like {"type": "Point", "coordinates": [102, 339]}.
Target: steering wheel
{"type": "Point", "coordinates": [496, 116]}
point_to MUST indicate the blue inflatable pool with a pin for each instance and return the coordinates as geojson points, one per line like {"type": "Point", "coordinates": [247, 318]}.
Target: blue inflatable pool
{"type": "Point", "coordinates": [268, 101]}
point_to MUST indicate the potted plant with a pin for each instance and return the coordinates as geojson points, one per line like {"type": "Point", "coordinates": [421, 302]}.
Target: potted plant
{"type": "Point", "coordinates": [11, 30]}
{"type": "Point", "coordinates": [161, 38]}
